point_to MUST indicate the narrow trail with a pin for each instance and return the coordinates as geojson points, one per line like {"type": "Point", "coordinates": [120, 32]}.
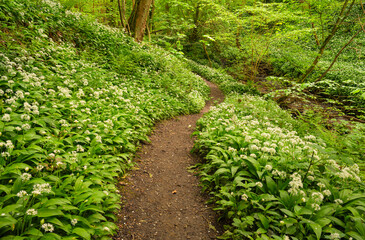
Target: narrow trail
{"type": "Point", "coordinates": [162, 198]}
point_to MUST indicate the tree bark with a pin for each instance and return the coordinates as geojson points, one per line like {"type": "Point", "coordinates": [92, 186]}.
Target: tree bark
{"type": "Point", "coordinates": [337, 55]}
{"type": "Point", "coordinates": [138, 19]}
{"type": "Point", "coordinates": [339, 21]}
{"type": "Point", "coordinates": [194, 35]}
{"type": "Point", "coordinates": [121, 8]}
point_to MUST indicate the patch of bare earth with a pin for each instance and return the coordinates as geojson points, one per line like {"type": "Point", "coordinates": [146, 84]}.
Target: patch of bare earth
{"type": "Point", "coordinates": [162, 199]}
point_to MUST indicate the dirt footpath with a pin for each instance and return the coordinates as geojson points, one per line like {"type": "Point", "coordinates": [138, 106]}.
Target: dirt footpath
{"type": "Point", "coordinates": [162, 198]}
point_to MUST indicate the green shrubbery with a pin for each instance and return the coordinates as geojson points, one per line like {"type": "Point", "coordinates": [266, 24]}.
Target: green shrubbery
{"type": "Point", "coordinates": [226, 82]}
{"type": "Point", "coordinates": [274, 180]}
{"type": "Point", "coordinates": [76, 99]}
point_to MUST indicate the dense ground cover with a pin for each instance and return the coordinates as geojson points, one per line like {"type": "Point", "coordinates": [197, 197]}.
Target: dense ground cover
{"type": "Point", "coordinates": [272, 177]}
{"type": "Point", "coordinates": [76, 99]}
{"type": "Point", "coordinates": [273, 181]}
{"type": "Point", "coordinates": [293, 49]}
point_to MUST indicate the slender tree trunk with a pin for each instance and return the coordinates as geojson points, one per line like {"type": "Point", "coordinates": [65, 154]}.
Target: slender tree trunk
{"type": "Point", "coordinates": [339, 21]}
{"type": "Point", "coordinates": [138, 19]}
{"type": "Point", "coordinates": [149, 26]}
{"type": "Point", "coordinates": [206, 52]}
{"type": "Point", "coordinates": [238, 43]}
{"type": "Point", "coordinates": [121, 8]}
{"type": "Point", "coordinates": [337, 55]}
{"type": "Point", "coordinates": [121, 15]}
{"type": "Point", "coordinates": [194, 35]}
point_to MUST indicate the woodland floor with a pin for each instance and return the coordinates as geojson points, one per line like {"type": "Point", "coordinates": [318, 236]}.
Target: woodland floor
{"type": "Point", "coordinates": [162, 199]}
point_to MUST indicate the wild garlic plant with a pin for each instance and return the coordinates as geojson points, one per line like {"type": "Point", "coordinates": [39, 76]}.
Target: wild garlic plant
{"type": "Point", "coordinates": [77, 99]}
{"type": "Point", "coordinates": [272, 178]}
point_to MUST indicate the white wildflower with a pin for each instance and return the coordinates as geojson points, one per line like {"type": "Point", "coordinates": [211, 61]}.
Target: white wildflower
{"type": "Point", "coordinates": [31, 212]}
{"type": "Point", "coordinates": [244, 197]}
{"type": "Point", "coordinates": [40, 167]}
{"type": "Point", "coordinates": [26, 177]}
{"type": "Point", "coordinates": [80, 148]}
{"type": "Point", "coordinates": [259, 184]}
{"type": "Point", "coordinates": [335, 236]}
{"type": "Point", "coordinates": [6, 118]}
{"type": "Point", "coordinates": [327, 192]}
{"type": "Point", "coordinates": [317, 196]}
{"type": "Point", "coordinates": [39, 189]}
{"type": "Point", "coordinates": [48, 227]}
{"type": "Point", "coordinates": [268, 167]}
{"type": "Point", "coordinates": [310, 178]}
{"type": "Point", "coordinates": [295, 184]}
{"type": "Point", "coordinates": [21, 194]}
{"type": "Point", "coordinates": [74, 221]}
{"type": "Point", "coordinates": [316, 206]}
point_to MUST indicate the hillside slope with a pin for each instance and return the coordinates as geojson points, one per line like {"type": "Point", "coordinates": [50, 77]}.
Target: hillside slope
{"type": "Point", "coordinates": [76, 99]}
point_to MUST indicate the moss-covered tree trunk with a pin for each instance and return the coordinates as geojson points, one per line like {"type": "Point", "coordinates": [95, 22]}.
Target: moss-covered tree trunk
{"type": "Point", "coordinates": [138, 18]}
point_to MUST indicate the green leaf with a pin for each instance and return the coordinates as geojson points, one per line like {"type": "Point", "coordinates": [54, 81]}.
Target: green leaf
{"type": "Point", "coordinates": [265, 222]}
{"type": "Point", "coordinates": [317, 229]}
{"type": "Point", "coordinates": [287, 212]}
{"type": "Point", "coordinates": [355, 235]}
{"type": "Point", "coordinates": [5, 189]}
{"type": "Point", "coordinates": [234, 170]}
{"type": "Point", "coordinates": [323, 222]}
{"type": "Point", "coordinates": [79, 183]}
{"type": "Point", "coordinates": [51, 236]}
{"type": "Point", "coordinates": [56, 201]}
{"type": "Point", "coordinates": [7, 221]}
{"type": "Point", "coordinates": [34, 232]}
{"type": "Point", "coordinates": [222, 171]}
{"type": "Point", "coordinates": [10, 208]}
{"type": "Point", "coordinates": [271, 185]}
{"type": "Point", "coordinates": [82, 233]}
{"type": "Point", "coordinates": [48, 212]}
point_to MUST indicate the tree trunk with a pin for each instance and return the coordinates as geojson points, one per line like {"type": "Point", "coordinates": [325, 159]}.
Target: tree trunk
{"type": "Point", "coordinates": [339, 21]}
{"type": "Point", "coordinates": [150, 17]}
{"type": "Point", "coordinates": [338, 54]}
{"type": "Point", "coordinates": [195, 33]}
{"type": "Point", "coordinates": [138, 19]}
{"type": "Point", "coordinates": [121, 8]}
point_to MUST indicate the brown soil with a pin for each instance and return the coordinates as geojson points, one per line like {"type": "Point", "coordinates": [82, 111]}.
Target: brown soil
{"type": "Point", "coordinates": [162, 198]}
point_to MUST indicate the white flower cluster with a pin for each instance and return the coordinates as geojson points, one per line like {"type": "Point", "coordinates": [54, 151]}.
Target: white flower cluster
{"type": "Point", "coordinates": [295, 184]}
{"type": "Point", "coordinates": [31, 212]}
{"type": "Point", "coordinates": [39, 189]}
{"type": "Point", "coordinates": [47, 227]}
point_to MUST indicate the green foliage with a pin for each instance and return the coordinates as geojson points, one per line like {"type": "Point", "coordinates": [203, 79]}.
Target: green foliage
{"type": "Point", "coordinates": [273, 180]}
{"type": "Point", "coordinates": [225, 82]}
{"type": "Point", "coordinates": [77, 98]}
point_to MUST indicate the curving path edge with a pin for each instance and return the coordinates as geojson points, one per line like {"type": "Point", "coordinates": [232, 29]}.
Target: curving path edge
{"type": "Point", "coordinates": [162, 198]}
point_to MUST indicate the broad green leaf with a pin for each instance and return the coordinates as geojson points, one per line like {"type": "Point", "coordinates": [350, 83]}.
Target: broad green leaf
{"type": "Point", "coordinates": [271, 185]}
{"type": "Point", "coordinates": [82, 233]}
{"type": "Point", "coordinates": [7, 221]}
{"type": "Point", "coordinates": [10, 208]}
{"type": "Point", "coordinates": [222, 171]}
{"type": "Point", "coordinates": [5, 189]}
{"type": "Point", "coordinates": [287, 212]}
{"type": "Point", "coordinates": [355, 235]}
{"type": "Point", "coordinates": [234, 170]}
{"type": "Point", "coordinates": [265, 222]}
{"type": "Point", "coordinates": [56, 201]}
{"type": "Point", "coordinates": [34, 232]}
{"type": "Point", "coordinates": [79, 183]}
{"type": "Point", "coordinates": [51, 236]}
{"type": "Point", "coordinates": [48, 212]}
{"type": "Point", "coordinates": [317, 229]}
